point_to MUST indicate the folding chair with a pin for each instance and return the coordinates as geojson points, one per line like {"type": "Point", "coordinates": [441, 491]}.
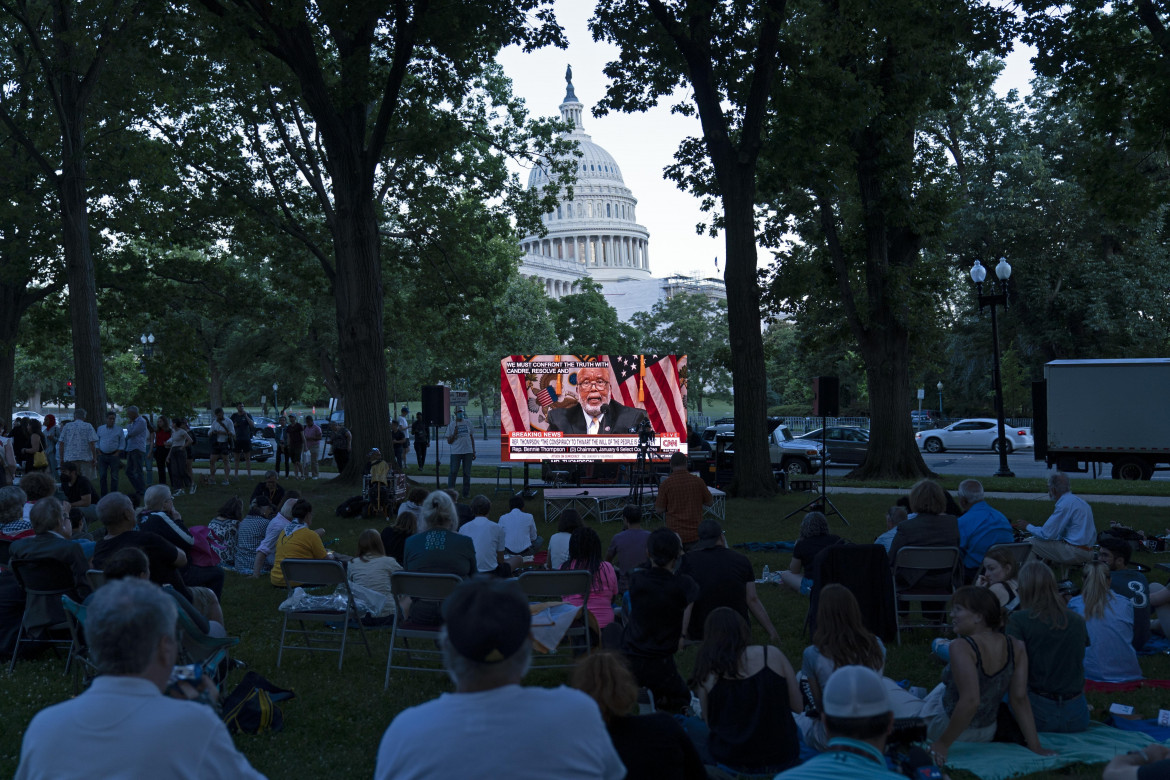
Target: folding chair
{"type": "Point", "coordinates": [75, 617]}
{"type": "Point", "coordinates": [554, 586]}
{"type": "Point", "coordinates": [311, 573]}
{"type": "Point", "coordinates": [210, 652]}
{"type": "Point", "coordinates": [417, 586]}
{"type": "Point", "coordinates": [943, 561]}
{"type": "Point", "coordinates": [48, 579]}
{"type": "Point", "coordinates": [1018, 550]}
{"type": "Point", "coordinates": [96, 578]}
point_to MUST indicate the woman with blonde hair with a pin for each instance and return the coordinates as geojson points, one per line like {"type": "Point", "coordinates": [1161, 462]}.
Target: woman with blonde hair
{"type": "Point", "coordinates": [1108, 616]}
{"type": "Point", "coordinates": [1055, 638]}
{"type": "Point", "coordinates": [441, 549]}
{"type": "Point", "coordinates": [651, 746]}
{"type": "Point", "coordinates": [372, 569]}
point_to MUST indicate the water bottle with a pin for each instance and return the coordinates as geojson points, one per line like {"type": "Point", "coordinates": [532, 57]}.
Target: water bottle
{"type": "Point", "coordinates": [767, 575]}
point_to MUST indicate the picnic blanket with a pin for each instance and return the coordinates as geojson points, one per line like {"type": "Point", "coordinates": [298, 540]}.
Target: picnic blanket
{"type": "Point", "coordinates": [1132, 685]}
{"type": "Point", "coordinates": [766, 546]}
{"type": "Point", "coordinates": [1156, 645]}
{"type": "Point", "coordinates": [1000, 760]}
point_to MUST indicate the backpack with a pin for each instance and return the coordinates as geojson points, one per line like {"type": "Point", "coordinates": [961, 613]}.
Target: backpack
{"type": "Point", "coordinates": [253, 706]}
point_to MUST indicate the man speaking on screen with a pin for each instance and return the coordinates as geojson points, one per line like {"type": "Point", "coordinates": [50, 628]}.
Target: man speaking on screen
{"type": "Point", "coordinates": [596, 413]}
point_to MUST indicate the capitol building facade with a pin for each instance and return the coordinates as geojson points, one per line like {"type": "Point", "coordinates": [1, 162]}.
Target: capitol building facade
{"type": "Point", "coordinates": [596, 235]}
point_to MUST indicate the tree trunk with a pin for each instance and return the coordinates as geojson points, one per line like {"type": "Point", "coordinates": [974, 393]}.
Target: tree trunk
{"type": "Point", "coordinates": [893, 452]}
{"type": "Point", "coordinates": [357, 291]}
{"type": "Point", "coordinates": [215, 386]}
{"type": "Point", "coordinates": [753, 467]}
{"type": "Point", "coordinates": [10, 314]}
{"type": "Point", "coordinates": [88, 375]}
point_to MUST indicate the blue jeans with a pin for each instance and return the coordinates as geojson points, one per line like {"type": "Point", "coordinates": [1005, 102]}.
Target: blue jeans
{"type": "Point", "coordinates": [109, 462]}
{"type": "Point", "coordinates": [134, 470]}
{"type": "Point", "coordinates": [453, 469]}
{"type": "Point", "coordinates": [1064, 717]}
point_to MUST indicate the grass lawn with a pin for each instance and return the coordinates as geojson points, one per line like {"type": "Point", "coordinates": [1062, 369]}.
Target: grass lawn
{"type": "Point", "coordinates": [342, 715]}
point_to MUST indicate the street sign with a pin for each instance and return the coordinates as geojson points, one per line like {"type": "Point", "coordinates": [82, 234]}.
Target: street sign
{"type": "Point", "coordinates": [460, 397]}
{"type": "Point", "coordinates": [921, 394]}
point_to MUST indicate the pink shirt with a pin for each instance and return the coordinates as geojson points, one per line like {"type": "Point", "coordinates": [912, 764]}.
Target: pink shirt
{"type": "Point", "coordinates": [601, 597]}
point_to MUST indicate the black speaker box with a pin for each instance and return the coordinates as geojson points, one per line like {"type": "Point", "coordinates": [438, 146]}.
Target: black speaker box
{"type": "Point", "coordinates": [436, 404]}
{"type": "Point", "coordinates": [826, 400]}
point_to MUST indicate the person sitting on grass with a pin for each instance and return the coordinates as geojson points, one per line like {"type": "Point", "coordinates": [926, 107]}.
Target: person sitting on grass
{"type": "Point", "coordinates": [857, 715]}
{"type": "Point", "coordinates": [558, 543]}
{"type": "Point", "coordinates": [1055, 638]}
{"type": "Point", "coordinates": [1129, 583]}
{"type": "Point", "coordinates": [488, 538]}
{"type": "Point", "coordinates": [413, 503]}
{"type": "Point", "coordinates": [841, 639]}
{"type": "Point", "coordinates": [985, 666]}
{"type": "Point", "coordinates": [250, 535]}
{"type": "Point", "coordinates": [223, 531]}
{"type": "Point", "coordinates": [266, 552]}
{"type": "Point", "coordinates": [660, 608]}
{"type": "Point", "coordinates": [1108, 616]}
{"type": "Point", "coordinates": [131, 562]}
{"type": "Point", "coordinates": [486, 651]}
{"type": "Point", "coordinates": [999, 576]}
{"type": "Point", "coordinates": [743, 689]}
{"type": "Point", "coordinates": [269, 489]}
{"type": "Point", "coordinates": [161, 517]}
{"type": "Point", "coordinates": [394, 536]}
{"type": "Point", "coordinates": [652, 746]}
{"type": "Point", "coordinates": [372, 569]}
{"type": "Point", "coordinates": [627, 549]}
{"type": "Point", "coordinates": [814, 537]}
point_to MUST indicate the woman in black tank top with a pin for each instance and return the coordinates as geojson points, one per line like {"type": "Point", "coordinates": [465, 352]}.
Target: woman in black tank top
{"type": "Point", "coordinates": [743, 689]}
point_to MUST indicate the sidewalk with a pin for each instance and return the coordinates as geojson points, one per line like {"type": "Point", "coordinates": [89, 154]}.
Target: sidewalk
{"type": "Point", "coordinates": [1092, 499]}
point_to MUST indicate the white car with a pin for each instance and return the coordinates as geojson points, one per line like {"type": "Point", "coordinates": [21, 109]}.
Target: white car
{"type": "Point", "coordinates": [974, 434]}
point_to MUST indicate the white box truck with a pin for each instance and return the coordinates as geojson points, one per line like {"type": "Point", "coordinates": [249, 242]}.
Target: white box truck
{"type": "Point", "coordinates": [1114, 412]}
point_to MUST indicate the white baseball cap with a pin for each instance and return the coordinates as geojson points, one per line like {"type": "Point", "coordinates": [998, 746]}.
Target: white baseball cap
{"type": "Point", "coordinates": [855, 692]}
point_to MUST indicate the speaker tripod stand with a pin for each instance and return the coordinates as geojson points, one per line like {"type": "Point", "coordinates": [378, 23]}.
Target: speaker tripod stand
{"type": "Point", "coordinates": [822, 502]}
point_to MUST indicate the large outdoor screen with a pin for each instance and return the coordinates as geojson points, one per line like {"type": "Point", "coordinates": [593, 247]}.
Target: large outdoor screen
{"type": "Point", "coordinates": [592, 407]}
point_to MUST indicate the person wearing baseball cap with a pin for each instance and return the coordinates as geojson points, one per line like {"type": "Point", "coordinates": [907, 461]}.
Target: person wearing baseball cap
{"type": "Point", "coordinates": [475, 731]}
{"type": "Point", "coordinates": [858, 717]}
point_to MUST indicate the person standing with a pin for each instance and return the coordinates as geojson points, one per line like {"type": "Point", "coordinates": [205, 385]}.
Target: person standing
{"type": "Point", "coordinates": [36, 446]}
{"type": "Point", "coordinates": [136, 439]}
{"type": "Point", "coordinates": [681, 498]}
{"type": "Point", "coordinates": [177, 458]}
{"type": "Point", "coordinates": [294, 436]}
{"type": "Point", "coordinates": [162, 434]}
{"type": "Point", "coordinates": [341, 440]}
{"type": "Point", "coordinates": [244, 427]}
{"type": "Point", "coordinates": [52, 435]}
{"type": "Point", "coordinates": [422, 439]}
{"type": "Point", "coordinates": [278, 444]}
{"type": "Point", "coordinates": [313, 436]}
{"type": "Point", "coordinates": [398, 438]}
{"type": "Point", "coordinates": [111, 443]}
{"type": "Point", "coordinates": [222, 434]}
{"type": "Point", "coordinates": [78, 444]}
{"type": "Point", "coordinates": [462, 451]}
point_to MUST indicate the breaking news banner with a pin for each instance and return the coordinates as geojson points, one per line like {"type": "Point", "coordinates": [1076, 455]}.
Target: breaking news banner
{"type": "Point", "coordinates": [592, 407]}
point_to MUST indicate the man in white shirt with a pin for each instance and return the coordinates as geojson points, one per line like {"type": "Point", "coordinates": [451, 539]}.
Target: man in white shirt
{"type": "Point", "coordinates": [520, 536]}
{"type": "Point", "coordinates": [111, 445]}
{"type": "Point", "coordinates": [488, 538]}
{"type": "Point", "coordinates": [221, 434]}
{"type": "Point", "coordinates": [1068, 536]}
{"type": "Point", "coordinates": [78, 445]}
{"type": "Point", "coordinates": [124, 725]}
{"type": "Point", "coordinates": [462, 451]}
{"type": "Point", "coordinates": [486, 651]}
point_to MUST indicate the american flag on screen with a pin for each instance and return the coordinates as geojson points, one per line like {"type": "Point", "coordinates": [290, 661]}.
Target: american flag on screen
{"type": "Point", "coordinates": [652, 382]}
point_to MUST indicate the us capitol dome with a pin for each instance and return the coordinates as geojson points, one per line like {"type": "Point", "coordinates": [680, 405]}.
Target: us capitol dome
{"type": "Point", "coordinates": [594, 235]}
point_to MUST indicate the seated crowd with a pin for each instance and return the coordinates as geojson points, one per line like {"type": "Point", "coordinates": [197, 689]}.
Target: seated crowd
{"type": "Point", "coordinates": [1023, 651]}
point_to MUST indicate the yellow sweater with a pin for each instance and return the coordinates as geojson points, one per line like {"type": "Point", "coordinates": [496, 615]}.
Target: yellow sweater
{"type": "Point", "coordinates": [303, 543]}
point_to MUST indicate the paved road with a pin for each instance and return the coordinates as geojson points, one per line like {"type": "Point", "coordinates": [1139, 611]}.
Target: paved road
{"type": "Point", "coordinates": [977, 464]}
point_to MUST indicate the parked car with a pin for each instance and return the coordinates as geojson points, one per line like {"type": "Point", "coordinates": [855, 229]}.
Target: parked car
{"type": "Point", "coordinates": [923, 418]}
{"type": "Point", "coordinates": [796, 456]}
{"type": "Point", "coordinates": [34, 415]}
{"type": "Point", "coordinates": [848, 443]}
{"type": "Point", "coordinates": [974, 434]}
{"type": "Point", "coordinates": [262, 448]}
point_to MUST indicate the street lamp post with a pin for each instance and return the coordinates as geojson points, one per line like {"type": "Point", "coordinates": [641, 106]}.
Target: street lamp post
{"type": "Point", "coordinates": [940, 412]}
{"type": "Point", "coordinates": [147, 341]}
{"type": "Point", "coordinates": [275, 399]}
{"type": "Point", "coordinates": [1003, 272]}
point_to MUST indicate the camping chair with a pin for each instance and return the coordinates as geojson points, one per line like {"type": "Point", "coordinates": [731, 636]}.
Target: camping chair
{"type": "Point", "coordinates": [864, 570]}
{"type": "Point", "coordinates": [926, 560]}
{"type": "Point", "coordinates": [75, 617]}
{"type": "Point", "coordinates": [48, 579]}
{"type": "Point", "coordinates": [554, 586]}
{"type": "Point", "coordinates": [210, 652]}
{"type": "Point", "coordinates": [1018, 550]}
{"type": "Point", "coordinates": [310, 573]}
{"type": "Point", "coordinates": [96, 578]}
{"type": "Point", "coordinates": [417, 586]}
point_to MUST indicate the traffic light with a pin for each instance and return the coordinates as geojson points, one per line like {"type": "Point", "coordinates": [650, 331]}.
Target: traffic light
{"type": "Point", "coordinates": [69, 388]}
